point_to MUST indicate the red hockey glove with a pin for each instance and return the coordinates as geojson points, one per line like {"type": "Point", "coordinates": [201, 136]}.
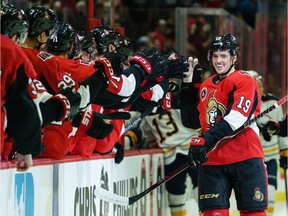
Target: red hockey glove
{"type": "Point", "coordinates": [197, 152]}
{"type": "Point", "coordinates": [284, 158]}
{"type": "Point", "coordinates": [119, 153]}
{"type": "Point", "coordinates": [70, 101]}
{"type": "Point", "coordinates": [92, 124]}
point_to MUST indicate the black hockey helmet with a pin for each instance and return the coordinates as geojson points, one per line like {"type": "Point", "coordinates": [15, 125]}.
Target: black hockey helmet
{"type": "Point", "coordinates": [62, 39]}
{"type": "Point", "coordinates": [124, 46]}
{"type": "Point", "coordinates": [41, 19]}
{"type": "Point", "coordinates": [14, 22]}
{"type": "Point", "coordinates": [104, 36]}
{"type": "Point", "coordinates": [223, 42]}
{"type": "Point", "coordinates": [88, 43]}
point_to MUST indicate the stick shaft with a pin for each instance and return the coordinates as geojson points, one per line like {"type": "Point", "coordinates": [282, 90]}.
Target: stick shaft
{"type": "Point", "coordinates": [286, 187]}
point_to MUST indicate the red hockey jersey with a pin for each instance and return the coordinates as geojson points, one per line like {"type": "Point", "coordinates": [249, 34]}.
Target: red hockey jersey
{"type": "Point", "coordinates": [18, 99]}
{"type": "Point", "coordinates": [236, 99]}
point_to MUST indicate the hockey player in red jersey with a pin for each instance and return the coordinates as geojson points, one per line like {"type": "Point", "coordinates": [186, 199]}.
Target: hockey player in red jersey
{"type": "Point", "coordinates": [221, 104]}
{"type": "Point", "coordinates": [56, 139]}
{"type": "Point", "coordinates": [121, 85]}
{"type": "Point", "coordinates": [19, 87]}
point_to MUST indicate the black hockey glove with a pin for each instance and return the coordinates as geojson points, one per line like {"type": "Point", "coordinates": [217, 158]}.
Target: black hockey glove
{"type": "Point", "coordinates": [171, 53]}
{"type": "Point", "coordinates": [176, 68]}
{"type": "Point", "coordinates": [197, 74]}
{"type": "Point", "coordinates": [271, 127]}
{"type": "Point", "coordinates": [119, 153]}
{"type": "Point", "coordinates": [92, 124]}
{"type": "Point", "coordinates": [197, 152]}
{"type": "Point", "coordinates": [147, 60]}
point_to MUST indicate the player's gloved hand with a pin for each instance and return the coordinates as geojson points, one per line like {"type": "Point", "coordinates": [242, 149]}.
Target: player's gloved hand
{"type": "Point", "coordinates": [284, 158]}
{"type": "Point", "coordinates": [70, 101]}
{"type": "Point", "coordinates": [170, 53]}
{"type": "Point", "coordinates": [176, 68]}
{"type": "Point", "coordinates": [147, 59]}
{"type": "Point", "coordinates": [197, 152]}
{"type": "Point", "coordinates": [266, 136]}
{"type": "Point", "coordinates": [194, 73]}
{"type": "Point", "coordinates": [271, 127]}
{"type": "Point", "coordinates": [119, 153]}
{"type": "Point", "coordinates": [92, 124]}
{"type": "Point", "coordinates": [134, 135]}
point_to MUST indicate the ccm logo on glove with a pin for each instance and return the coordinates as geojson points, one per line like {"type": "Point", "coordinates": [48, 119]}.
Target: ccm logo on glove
{"type": "Point", "coordinates": [197, 141]}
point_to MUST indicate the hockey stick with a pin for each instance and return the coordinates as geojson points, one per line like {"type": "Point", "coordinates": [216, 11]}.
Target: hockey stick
{"type": "Point", "coordinates": [286, 189]}
{"type": "Point", "coordinates": [135, 121]}
{"type": "Point", "coordinates": [125, 201]}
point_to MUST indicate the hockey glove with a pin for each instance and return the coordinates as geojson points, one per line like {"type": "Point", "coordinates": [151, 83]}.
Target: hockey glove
{"type": "Point", "coordinates": [170, 53]}
{"type": "Point", "coordinates": [147, 59]}
{"type": "Point", "coordinates": [271, 127]}
{"type": "Point", "coordinates": [119, 153]}
{"type": "Point", "coordinates": [284, 158]}
{"type": "Point", "coordinates": [92, 124]}
{"type": "Point", "coordinates": [176, 69]}
{"type": "Point", "coordinates": [197, 152]}
{"type": "Point", "coordinates": [194, 73]}
{"type": "Point", "coordinates": [266, 136]}
{"type": "Point", "coordinates": [70, 101]}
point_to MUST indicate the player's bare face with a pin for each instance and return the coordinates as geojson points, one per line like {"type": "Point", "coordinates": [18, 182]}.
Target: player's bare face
{"type": "Point", "coordinates": [221, 61]}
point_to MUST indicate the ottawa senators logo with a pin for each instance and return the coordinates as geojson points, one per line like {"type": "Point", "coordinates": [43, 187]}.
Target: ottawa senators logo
{"type": "Point", "coordinates": [258, 195]}
{"type": "Point", "coordinates": [214, 111]}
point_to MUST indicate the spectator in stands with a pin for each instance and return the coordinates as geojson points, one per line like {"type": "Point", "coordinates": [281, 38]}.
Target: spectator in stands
{"type": "Point", "coordinates": [271, 141]}
{"type": "Point", "coordinates": [79, 19]}
{"type": "Point", "coordinates": [158, 35]}
{"type": "Point", "coordinates": [247, 10]}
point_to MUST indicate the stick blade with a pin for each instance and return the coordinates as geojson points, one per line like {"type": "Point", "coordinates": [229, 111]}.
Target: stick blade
{"type": "Point", "coordinates": [111, 198]}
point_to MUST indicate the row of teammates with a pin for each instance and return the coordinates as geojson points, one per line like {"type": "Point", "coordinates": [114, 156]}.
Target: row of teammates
{"type": "Point", "coordinates": [79, 88]}
{"type": "Point", "coordinates": [75, 91]}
